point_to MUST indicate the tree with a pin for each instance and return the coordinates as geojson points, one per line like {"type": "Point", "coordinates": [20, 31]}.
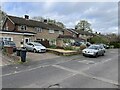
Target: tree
{"type": "Point", "coordinates": [83, 25]}
{"type": "Point", "coordinates": [60, 24]}
{"type": "Point", "coordinates": [38, 18]}
{"type": "Point", "coordinates": [99, 39]}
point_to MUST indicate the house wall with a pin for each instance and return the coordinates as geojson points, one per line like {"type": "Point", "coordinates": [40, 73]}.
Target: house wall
{"type": "Point", "coordinates": [46, 35]}
{"type": "Point", "coordinates": [18, 38]}
{"type": "Point", "coordinates": [9, 24]}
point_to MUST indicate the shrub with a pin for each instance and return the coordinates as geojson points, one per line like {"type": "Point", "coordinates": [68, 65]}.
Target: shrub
{"type": "Point", "coordinates": [68, 48]}
{"type": "Point", "coordinates": [115, 44]}
{"type": "Point", "coordinates": [53, 46]}
{"type": "Point", "coordinates": [82, 47]}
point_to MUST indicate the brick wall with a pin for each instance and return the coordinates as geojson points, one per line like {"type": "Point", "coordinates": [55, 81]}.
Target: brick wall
{"type": "Point", "coordinates": [46, 35]}
{"type": "Point", "coordinates": [9, 24]}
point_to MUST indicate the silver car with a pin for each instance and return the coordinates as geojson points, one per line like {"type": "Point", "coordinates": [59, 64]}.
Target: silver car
{"type": "Point", "coordinates": [35, 47]}
{"type": "Point", "coordinates": [94, 50]}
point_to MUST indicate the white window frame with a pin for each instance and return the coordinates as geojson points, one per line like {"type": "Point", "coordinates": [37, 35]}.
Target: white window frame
{"type": "Point", "coordinates": [38, 29]}
{"type": "Point", "coordinates": [51, 31]}
{"type": "Point", "coordinates": [61, 32]}
{"type": "Point", "coordinates": [24, 27]}
{"type": "Point", "coordinates": [7, 38]}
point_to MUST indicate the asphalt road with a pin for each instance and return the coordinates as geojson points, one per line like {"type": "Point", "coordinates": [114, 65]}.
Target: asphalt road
{"type": "Point", "coordinates": [64, 72]}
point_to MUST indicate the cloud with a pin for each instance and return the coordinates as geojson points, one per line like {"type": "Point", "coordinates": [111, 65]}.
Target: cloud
{"type": "Point", "coordinates": [103, 16]}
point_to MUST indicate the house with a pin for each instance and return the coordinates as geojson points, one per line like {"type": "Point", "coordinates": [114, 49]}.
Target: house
{"type": "Point", "coordinates": [80, 34]}
{"type": "Point", "coordinates": [72, 35]}
{"type": "Point", "coordinates": [23, 30]}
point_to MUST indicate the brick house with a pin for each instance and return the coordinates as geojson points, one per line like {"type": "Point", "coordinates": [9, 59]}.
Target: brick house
{"type": "Point", "coordinates": [24, 30]}
{"type": "Point", "coordinates": [79, 34]}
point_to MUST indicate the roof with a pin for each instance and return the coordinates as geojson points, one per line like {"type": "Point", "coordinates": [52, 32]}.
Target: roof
{"type": "Point", "coordinates": [72, 30]}
{"type": "Point", "coordinates": [69, 37]}
{"type": "Point", "coordinates": [33, 23]}
{"type": "Point", "coordinates": [84, 32]}
{"type": "Point", "coordinates": [80, 32]}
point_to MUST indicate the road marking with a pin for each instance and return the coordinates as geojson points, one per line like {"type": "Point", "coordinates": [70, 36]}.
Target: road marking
{"type": "Point", "coordinates": [16, 72]}
{"type": "Point", "coordinates": [96, 64]}
{"type": "Point", "coordinates": [32, 68]}
{"type": "Point", "coordinates": [87, 62]}
{"type": "Point", "coordinates": [87, 75]}
{"type": "Point", "coordinates": [40, 67]}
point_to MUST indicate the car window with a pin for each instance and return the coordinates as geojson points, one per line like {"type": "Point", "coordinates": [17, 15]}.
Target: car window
{"type": "Point", "coordinates": [101, 47]}
{"type": "Point", "coordinates": [29, 43]}
{"type": "Point", "coordinates": [37, 44]}
{"type": "Point", "coordinates": [93, 47]}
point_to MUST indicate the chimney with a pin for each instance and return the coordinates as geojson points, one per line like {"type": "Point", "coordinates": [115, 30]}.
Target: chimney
{"type": "Point", "coordinates": [45, 20]}
{"type": "Point", "coordinates": [26, 17]}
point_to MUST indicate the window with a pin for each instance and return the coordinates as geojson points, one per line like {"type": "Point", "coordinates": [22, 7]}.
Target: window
{"type": "Point", "coordinates": [7, 39]}
{"type": "Point", "coordinates": [23, 27]}
{"type": "Point", "coordinates": [51, 31]}
{"type": "Point", "coordinates": [38, 29]}
{"type": "Point", "coordinates": [61, 32]}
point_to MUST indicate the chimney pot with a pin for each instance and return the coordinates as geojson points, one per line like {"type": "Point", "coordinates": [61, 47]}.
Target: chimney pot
{"type": "Point", "coordinates": [26, 17]}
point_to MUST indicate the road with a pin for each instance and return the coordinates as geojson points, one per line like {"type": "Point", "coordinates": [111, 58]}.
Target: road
{"type": "Point", "coordinates": [65, 72]}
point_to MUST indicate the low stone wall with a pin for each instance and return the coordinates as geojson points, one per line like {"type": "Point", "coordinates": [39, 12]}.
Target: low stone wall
{"type": "Point", "coordinates": [63, 52]}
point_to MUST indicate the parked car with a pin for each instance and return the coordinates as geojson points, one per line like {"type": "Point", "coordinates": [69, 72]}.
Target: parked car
{"type": "Point", "coordinates": [94, 50]}
{"type": "Point", "coordinates": [1, 44]}
{"type": "Point", "coordinates": [77, 43]}
{"type": "Point", "coordinates": [35, 47]}
{"type": "Point", "coordinates": [8, 43]}
{"type": "Point", "coordinates": [88, 44]}
{"type": "Point", "coordinates": [105, 46]}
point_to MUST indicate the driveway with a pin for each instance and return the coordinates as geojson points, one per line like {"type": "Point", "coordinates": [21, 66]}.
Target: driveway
{"type": "Point", "coordinates": [40, 56]}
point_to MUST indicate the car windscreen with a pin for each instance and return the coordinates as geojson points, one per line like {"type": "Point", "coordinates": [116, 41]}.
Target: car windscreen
{"type": "Point", "coordinates": [36, 44]}
{"type": "Point", "coordinates": [93, 47]}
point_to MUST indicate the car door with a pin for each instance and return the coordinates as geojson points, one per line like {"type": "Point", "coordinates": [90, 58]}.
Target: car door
{"type": "Point", "coordinates": [101, 50]}
{"type": "Point", "coordinates": [29, 46]}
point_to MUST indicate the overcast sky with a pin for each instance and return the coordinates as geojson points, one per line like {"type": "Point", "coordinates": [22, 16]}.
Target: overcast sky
{"type": "Point", "coordinates": [103, 16]}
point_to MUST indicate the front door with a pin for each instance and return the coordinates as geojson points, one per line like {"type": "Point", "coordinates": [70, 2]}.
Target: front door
{"type": "Point", "coordinates": [26, 40]}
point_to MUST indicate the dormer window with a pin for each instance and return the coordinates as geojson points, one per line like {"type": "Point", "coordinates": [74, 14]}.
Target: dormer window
{"type": "Point", "coordinates": [23, 27]}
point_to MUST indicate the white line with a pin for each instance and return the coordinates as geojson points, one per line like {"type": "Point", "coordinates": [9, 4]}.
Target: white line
{"type": "Point", "coordinates": [96, 64]}
{"type": "Point", "coordinates": [86, 61]}
{"type": "Point", "coordinates": [31, 69]}
{"type": "Point", "coordinates": [90, 76]}
{"type": "Point", "coordinates": [16, 72]}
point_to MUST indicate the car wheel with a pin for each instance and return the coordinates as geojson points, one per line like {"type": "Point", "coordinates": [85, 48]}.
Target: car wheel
{"type": "Point", "coordinates": [103, 54]}
{"type": "Point", "coordinates": [96, 55]}
{"type": "Point", "coordinates": [34, 50]}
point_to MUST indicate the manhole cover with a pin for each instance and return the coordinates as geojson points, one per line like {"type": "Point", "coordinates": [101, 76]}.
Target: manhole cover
{"type": "Point", "coordinates": [55, 86]}
{"type": "Point", "coordinates": [87, 62]}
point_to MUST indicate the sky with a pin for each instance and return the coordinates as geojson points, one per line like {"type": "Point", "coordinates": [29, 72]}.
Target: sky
{"type": "Point", "coordinates": [103, 16]}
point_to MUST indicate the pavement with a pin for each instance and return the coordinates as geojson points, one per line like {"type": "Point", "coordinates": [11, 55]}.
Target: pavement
{"type": "Point", "coordinates": [74, 71]}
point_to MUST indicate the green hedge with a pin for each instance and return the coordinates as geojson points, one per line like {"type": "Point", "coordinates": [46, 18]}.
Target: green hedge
{"type": "Point", "coordinates": [115, 44]}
